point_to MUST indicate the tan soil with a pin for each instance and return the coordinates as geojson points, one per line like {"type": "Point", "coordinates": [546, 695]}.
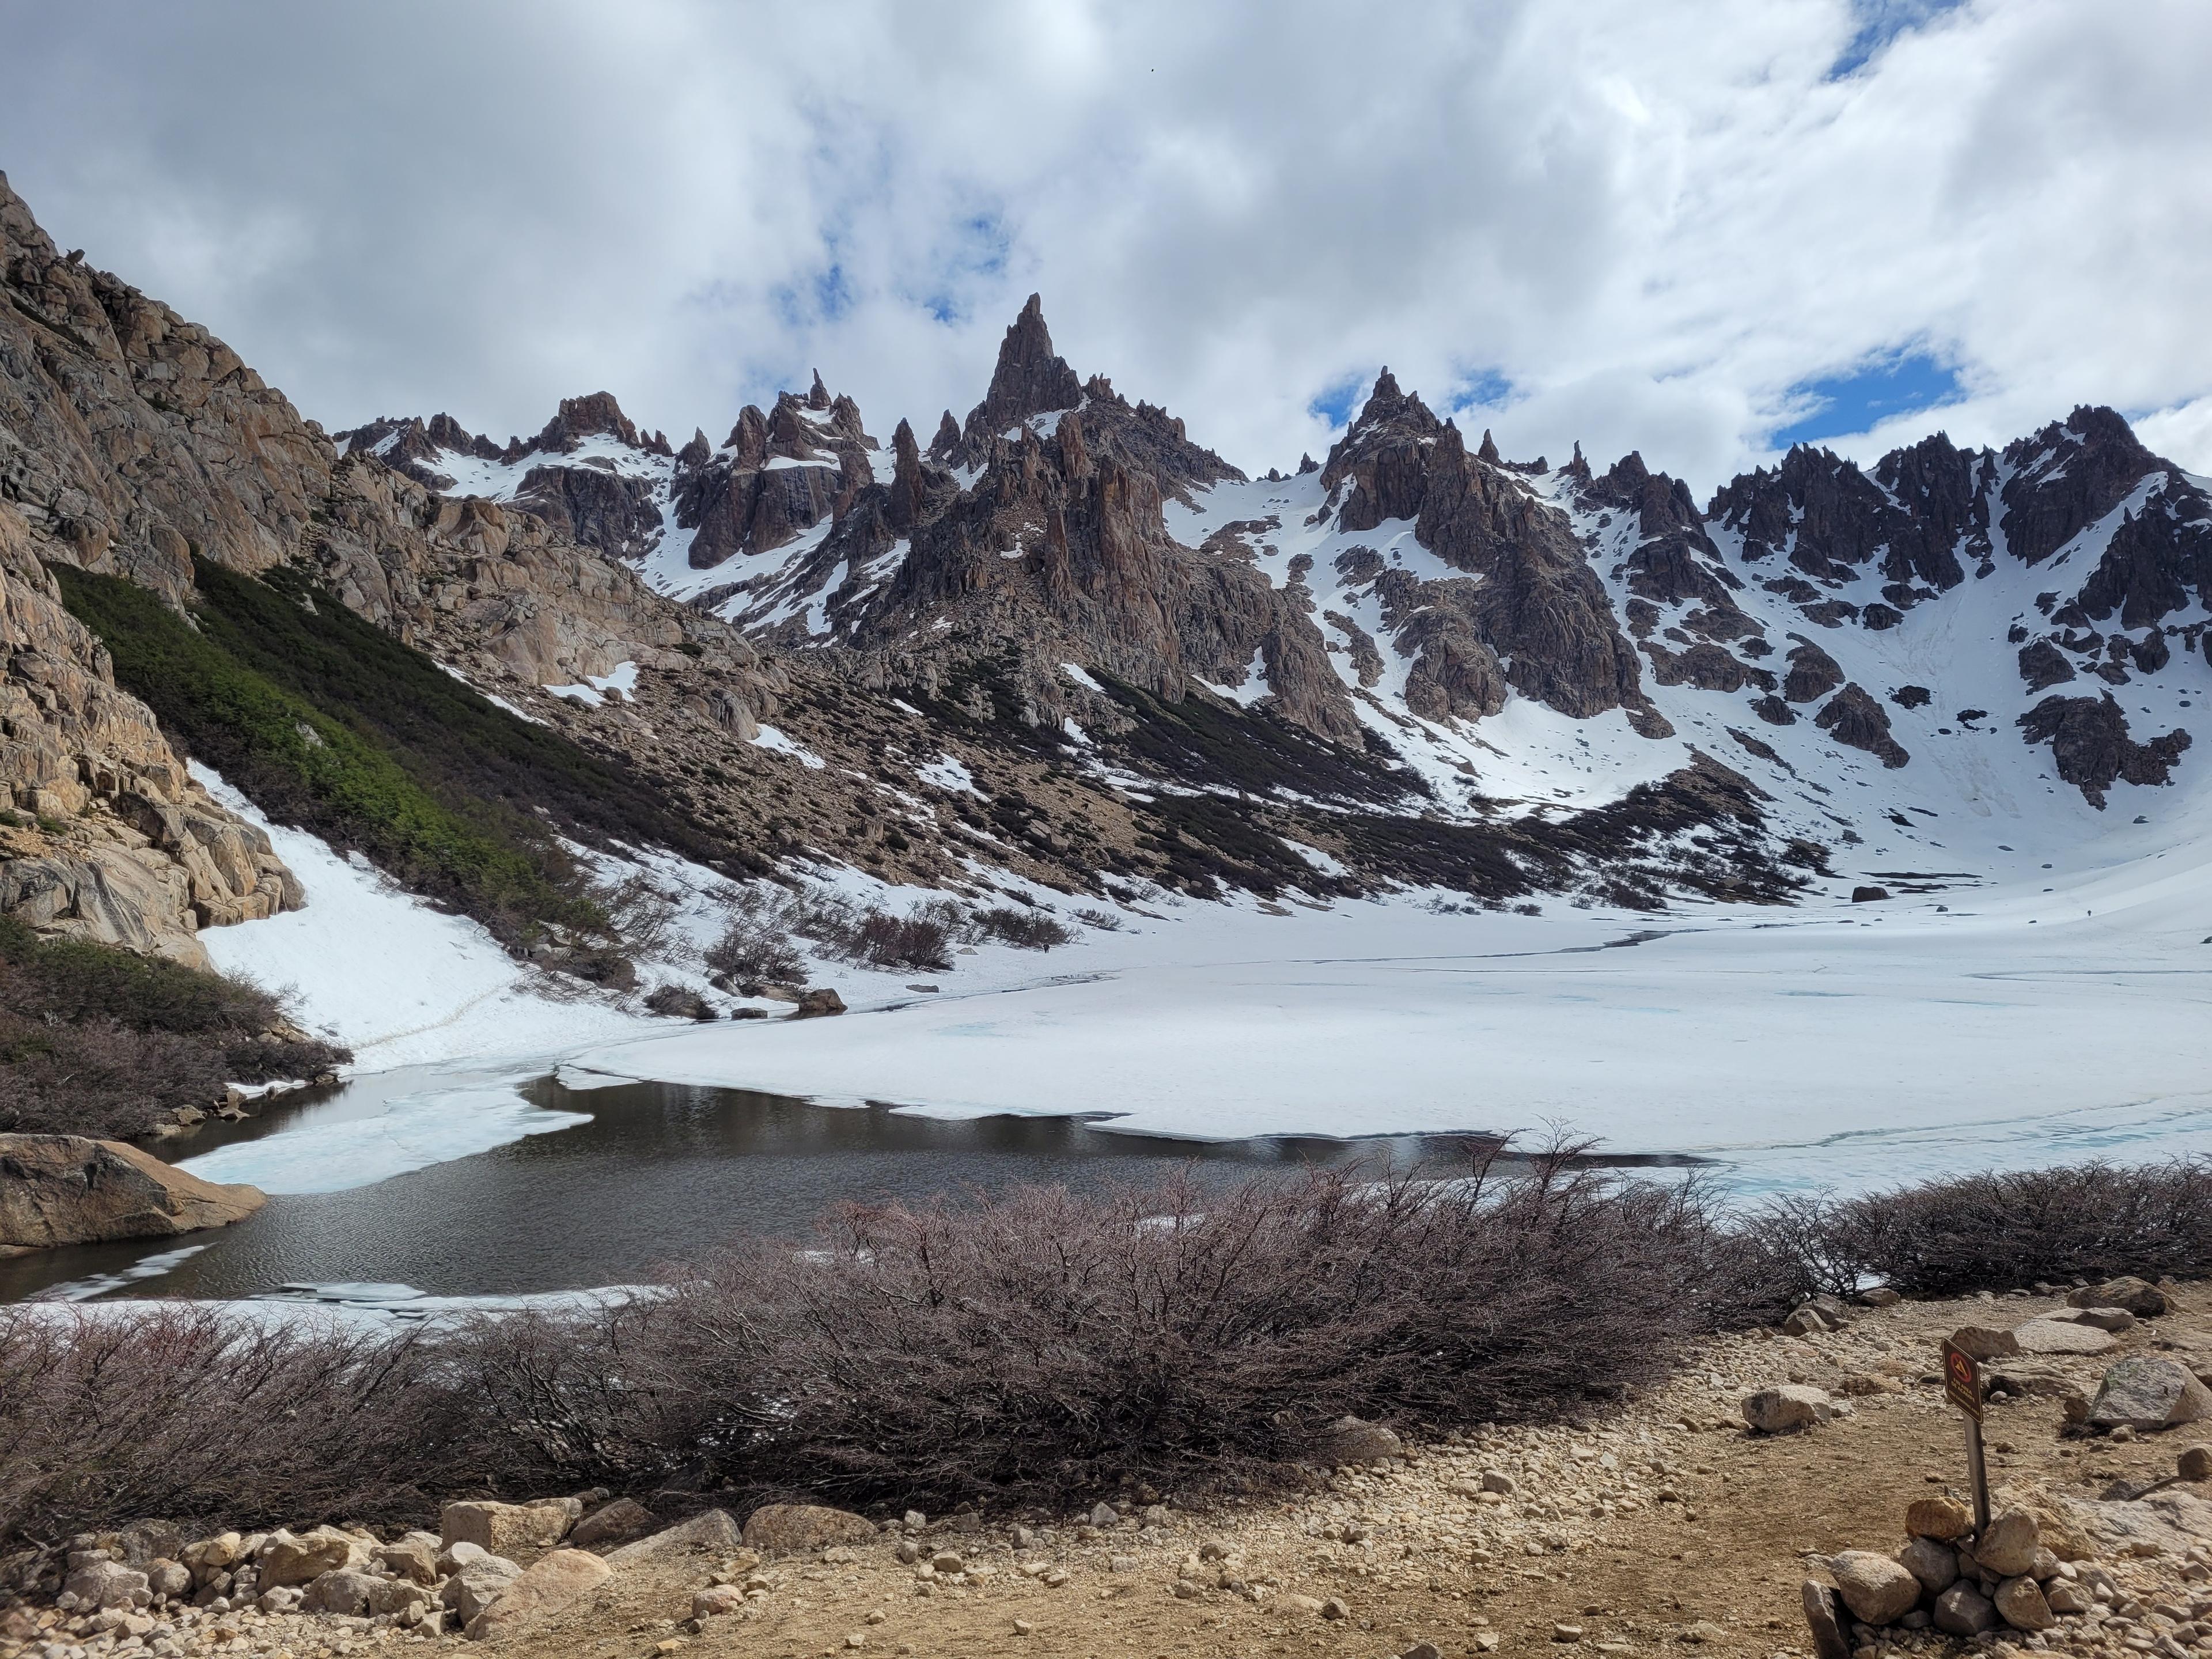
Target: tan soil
{"type": "Point", "coordinates": [1718, 1563]}
{"type": "Point", "coordinates": [1667, 1526]}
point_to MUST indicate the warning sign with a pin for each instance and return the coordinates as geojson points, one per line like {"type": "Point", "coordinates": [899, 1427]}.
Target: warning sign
{"type": "Point", "coordinates": [1962, 1380]}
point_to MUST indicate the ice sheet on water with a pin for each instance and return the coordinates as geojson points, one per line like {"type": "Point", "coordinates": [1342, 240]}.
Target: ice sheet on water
{"type": "Point", "coordinates": [411, 1133]}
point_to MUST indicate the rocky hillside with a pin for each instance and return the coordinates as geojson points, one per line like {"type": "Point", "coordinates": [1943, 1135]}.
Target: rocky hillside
{"type": "Point", "coordinates": [1061, 640]}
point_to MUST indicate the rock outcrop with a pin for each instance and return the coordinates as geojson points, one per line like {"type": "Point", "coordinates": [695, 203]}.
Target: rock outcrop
{"type": "Point", "coordinates": [64, 1189]}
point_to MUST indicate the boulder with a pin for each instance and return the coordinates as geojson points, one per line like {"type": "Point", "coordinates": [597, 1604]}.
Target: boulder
{"type": "Point", "coordinates": [1962, 1610]}
{"type": "Point", "coordinates": [2195, 1463]}
{"type": "Point", "coordinates": [818, 1002]}
{"type": "Point", "coordinates": [2008, 1548]}
{"type": "Point", "coordinates": [289, 1560]}
{"type": "Point", "coordinates": [414, 1557]}
{"type": "Point", "coordinates": [2115, 1320]}
{"type": "Point", "coordinates": [207, 1556]}
{"type": "Point", "coordinates": [1936, 1565]}
{"type": "Point", "coordinates": [168, 1578]}
{"type": "Point", "coordinates": [479, 1581]}
{"type": "Point", "coordinates": [392, 1597]}
{"type": "Point", "coordinates": [509, 1529]}
{"type": "Point", "coordinates": [1984, 1342]}
{"type": "Point", "coordinates": [551, 1582]}
{"type": "Point", "coordinates": [1941, 1518]}
{"type": "Point", "coordinates": [67, 1190]}
{"type": "Point", "coordinates": [1352, 1440]}
{"type": "Point", "coordinates": [108, 1584]}
{"type": "Point", "coordinates": [2020, 1604]}
{"type": "Point", "coordinates": [2062, 1336]}
{"type": "Point", "coordinates": [716, 1532]}
{"type": "Point", "coordinates": [2138, 1297]}
{"type": "Point", "coordinates": [1787, 1409]}
{"type": "Point", "coordinates": [803, 1529]}
{"type": "Point", "coordinates": [1875, 1588]}
{"type": "Point", "coordinates": [610, 1524]}
{"type": "Point", "coordinates": [341, 1590]}
{"type": "Point", "coordinates": [1824, 1616]}
{"type": "Point", "coordinates": [2145, 1392]}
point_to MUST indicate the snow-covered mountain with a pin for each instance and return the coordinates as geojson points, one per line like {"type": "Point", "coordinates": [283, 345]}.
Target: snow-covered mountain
{"type": "Point", "coordinates": [1947, 663]}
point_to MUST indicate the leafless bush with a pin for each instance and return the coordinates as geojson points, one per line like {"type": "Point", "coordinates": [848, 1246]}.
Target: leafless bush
{"type": "Point", "coordinates": [1105, 921]}
{"type": "Point", "coordinates": [909, 941]}
{"type": "Point", "coordinates": [639, 914]}
{"type": "Point", "coordinates": [1998, 1231]}
{"type": "Point", "coordinates": [194, 1415]}
{"type": "Point", "coordinates": [753, 947]}
{"type": "Point", "coordinates": [1025, 930]}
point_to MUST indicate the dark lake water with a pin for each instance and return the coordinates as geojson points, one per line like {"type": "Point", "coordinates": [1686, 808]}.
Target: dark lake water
{"type": "Point", "coordinates": [660, 1173]}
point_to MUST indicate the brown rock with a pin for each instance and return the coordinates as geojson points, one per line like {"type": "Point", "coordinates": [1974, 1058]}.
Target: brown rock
{"type": "Point", "coordinates": [289, 1558]}
{"type": "Point", "coordinates": [2146, 1392]}
{"type": "Point", "coordinates": [1824, 1616]}
{"type": "Point", "coordinates": [2020, 1604]}
{"type": "Point", "coordinates": [1941, 1518]}
{"type": "Point", "coordinates": [2133, 1296]}
{"type": "Point", "coordinates": [802, 1529]}
{"type": "Point", "coordinates": [65, 1189]}
{"type": "Point", "coordinates": [820, 1001]}
{"type": "Point", "coordinates": [1986, 1342]}
{"type": "Point", "coordinates": [1936, 1565]}
{"type": "Point", "coordinates": [1874, 1587]}
{"type": "Point", "coordinates": [716, 1532]}
{"type": "Point", "coordinates": [513, 1530]}
{"type": "Point", "coordinates": [2008, 1548]}
{"type": "Point", "coordinates": [547, 1585]}
{"type": "Point", "coordinates": [1962, 1610]}
{"type": "Point", "coordinates": [2062, 1336]}
{"type": "Point", "coordinates": [611, 1524]}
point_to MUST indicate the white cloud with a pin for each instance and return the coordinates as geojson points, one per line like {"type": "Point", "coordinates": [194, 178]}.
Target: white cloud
{"type": "Point", "coordinates": [1653, 228]}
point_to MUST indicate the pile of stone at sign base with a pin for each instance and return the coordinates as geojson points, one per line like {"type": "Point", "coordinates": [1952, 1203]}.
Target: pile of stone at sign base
{"type": "Point", "coordinates": [422, 1584]}
{"type": "Point", "coordinates": [1950, 1576]}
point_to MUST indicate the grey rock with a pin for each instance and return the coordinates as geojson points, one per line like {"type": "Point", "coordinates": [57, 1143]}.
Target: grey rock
{"type": "Point", "coordinates": [714, 1533]}
{"type": "Point", "coordinates": [1787, 1410]}
{"type": "Point", "coordinates": [477, 1585]}
{"type": "Point", "coordinates": [2138, 1297]}
{"type": "Point", "coordinates": [1962, 1610]}
{"type": "Point", "coordinates": [2146, 1392]}
{"type": "Point", "coordinates": [1936, 1565]}
{"type": "Point", "coordinates": [2020, 1604]}
{"type": "Point", "coordinates": [341, 1590]}
{"type": "Point", "coordinates": [1824, 1616]}
{"type": "Point", "coordinates": [2008, 1548]}
{"type": "Point", "coordinates": [2062, 1336]}
{"type": "Point", "coordinates": [105, 1583]}
{"type": "Point", "coordinates": [1876, 1589]}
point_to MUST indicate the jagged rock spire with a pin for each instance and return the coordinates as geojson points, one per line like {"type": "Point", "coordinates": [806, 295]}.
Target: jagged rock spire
{"type": "Point", "coordinates": [1030, 377]}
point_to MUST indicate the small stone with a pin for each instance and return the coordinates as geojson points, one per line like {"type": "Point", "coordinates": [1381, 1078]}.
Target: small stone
{"type": "Point", "coordinates": [717, 1600]}
{"type": "Point", "coordinates": [1335, 1608]}
{"type": "Point", "coordinates": [2062, 1597]}
{"type": "Point", "coordinates": [1422, 1651]}
{"type": "Point", "coordinates": [2008, 1548]}
{"type": "Point", "coordinates": [858, 1639]}
{"type": "Point", "coordinates": [1352, 1440]}
{"type": "Point", "coordinates": [1984, 1342]}
{"type": "Point", "coordinates": [2195, 1463]}
{"type": "Point", "coordinates": [1102, 1516]}
{"type": "Point", "coordinates": [1943, 1518]}
{"type": "Point", "coordinates": [1962, 1610]}
{"type": "Point", "coordinates": [1881, 1296]}
{"type": "Point", "coordinates": [2115, 1320]}
{"type": "Point", "coordinates": [1935, 1564]}
{"type": "Point", "coordinates": [1498, 1481]}
{"type": "Point", "coordinates": [1787, 1410]}
{"type": "Point", "coordinates": [1022, 1627]}
{"type": "Point", "coordinates": [1566, 1632]}
{"type": "Point", "coordinates": [1875, 1588]}
{"type": "Point", "coordinates": [2020, 1604]}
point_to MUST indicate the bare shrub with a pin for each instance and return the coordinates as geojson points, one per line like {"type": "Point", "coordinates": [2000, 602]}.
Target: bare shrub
{"type": "Point", "coordinates": [111, 1417]}
{"type": "Point", "coordinates": [1998, 1231]}
{"type": "Point", "coordinates": [1105, 921]}
{"type": "Point", "coordinates": [1025, 930]}
{"type": "Point", "coordinates": [914, 941]}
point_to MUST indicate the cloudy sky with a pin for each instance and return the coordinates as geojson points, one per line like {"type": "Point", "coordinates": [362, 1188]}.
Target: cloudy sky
{"type": "Point", "coordinates": [1700, 230]}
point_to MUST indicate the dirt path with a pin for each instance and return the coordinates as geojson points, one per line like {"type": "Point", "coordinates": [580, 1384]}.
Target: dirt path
{"type": "Point", "coordinates": [1667, 1525]}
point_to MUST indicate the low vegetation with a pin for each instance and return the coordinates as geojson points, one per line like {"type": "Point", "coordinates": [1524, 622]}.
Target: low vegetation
{"type": "Point", "coordinates": [1038, 1348]}
{"type": "Point", "coordinates": [328, 723]}
{"type": "Point", "coordinates": [98, 1041]}
{"type": "Point", "coordinates": [756, 942]}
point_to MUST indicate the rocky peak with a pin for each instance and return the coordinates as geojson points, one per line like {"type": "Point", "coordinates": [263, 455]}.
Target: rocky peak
{"type": "Point", "coordinates": [594, 414]}
{"type": "Point", "coordinates": [693, 455]}
{"type": "Point", "coordinates": [817, 395]}
{"type": "Point", "coordinates": [945, 447]}
{"type": "Point", "coordinates": [2069, 476]}
{"type": "Point", "coordinates": [1489, 450]}
{"type": "Point", "coordinates": [1030, 377]}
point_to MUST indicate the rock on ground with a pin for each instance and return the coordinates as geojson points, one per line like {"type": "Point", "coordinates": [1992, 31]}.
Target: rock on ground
{"type": "Point", "coordinates": [1787, 1409]}
{"type": "Point", "coordinates": [799, 1528]}
{"type": "Point", "coordinates": [67, 1190]}
{"type": "Point", "coordinates": [714, 1533]}
{"type": "Point", "coordinates": [1876, 1589]}
{"type": "Point", "coordinates": [2146, 1392]}
{"type": "Point", "coordinates": [508, 1529]}
{"type": "Point", "coordinates": [551, 1582]}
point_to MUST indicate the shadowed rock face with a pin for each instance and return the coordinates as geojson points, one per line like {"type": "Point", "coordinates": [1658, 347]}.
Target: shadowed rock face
{"type": "Point", "coordinates": [2090, 745]}
{"type": "Point", "coordinates": [1855, 720]}
{"type": "Point", "coordinates": [65, 1189]}
{"type": "Point", "coordinates": [1029, 379]}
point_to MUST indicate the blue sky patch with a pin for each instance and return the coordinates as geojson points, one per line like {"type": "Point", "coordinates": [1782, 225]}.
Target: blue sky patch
{"type": "Point", "coordinates": [1844, 404]}
{"type": "Point", "coordinates": [1339, 403]}
{"type": "Point", "coordinates": [1881, 21]}
{"type": "Point", "coordinates": [1484, 388]}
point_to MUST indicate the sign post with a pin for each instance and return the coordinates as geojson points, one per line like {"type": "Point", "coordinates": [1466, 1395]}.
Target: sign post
{"type": "Point", "coordinates": [1962, 1386]}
